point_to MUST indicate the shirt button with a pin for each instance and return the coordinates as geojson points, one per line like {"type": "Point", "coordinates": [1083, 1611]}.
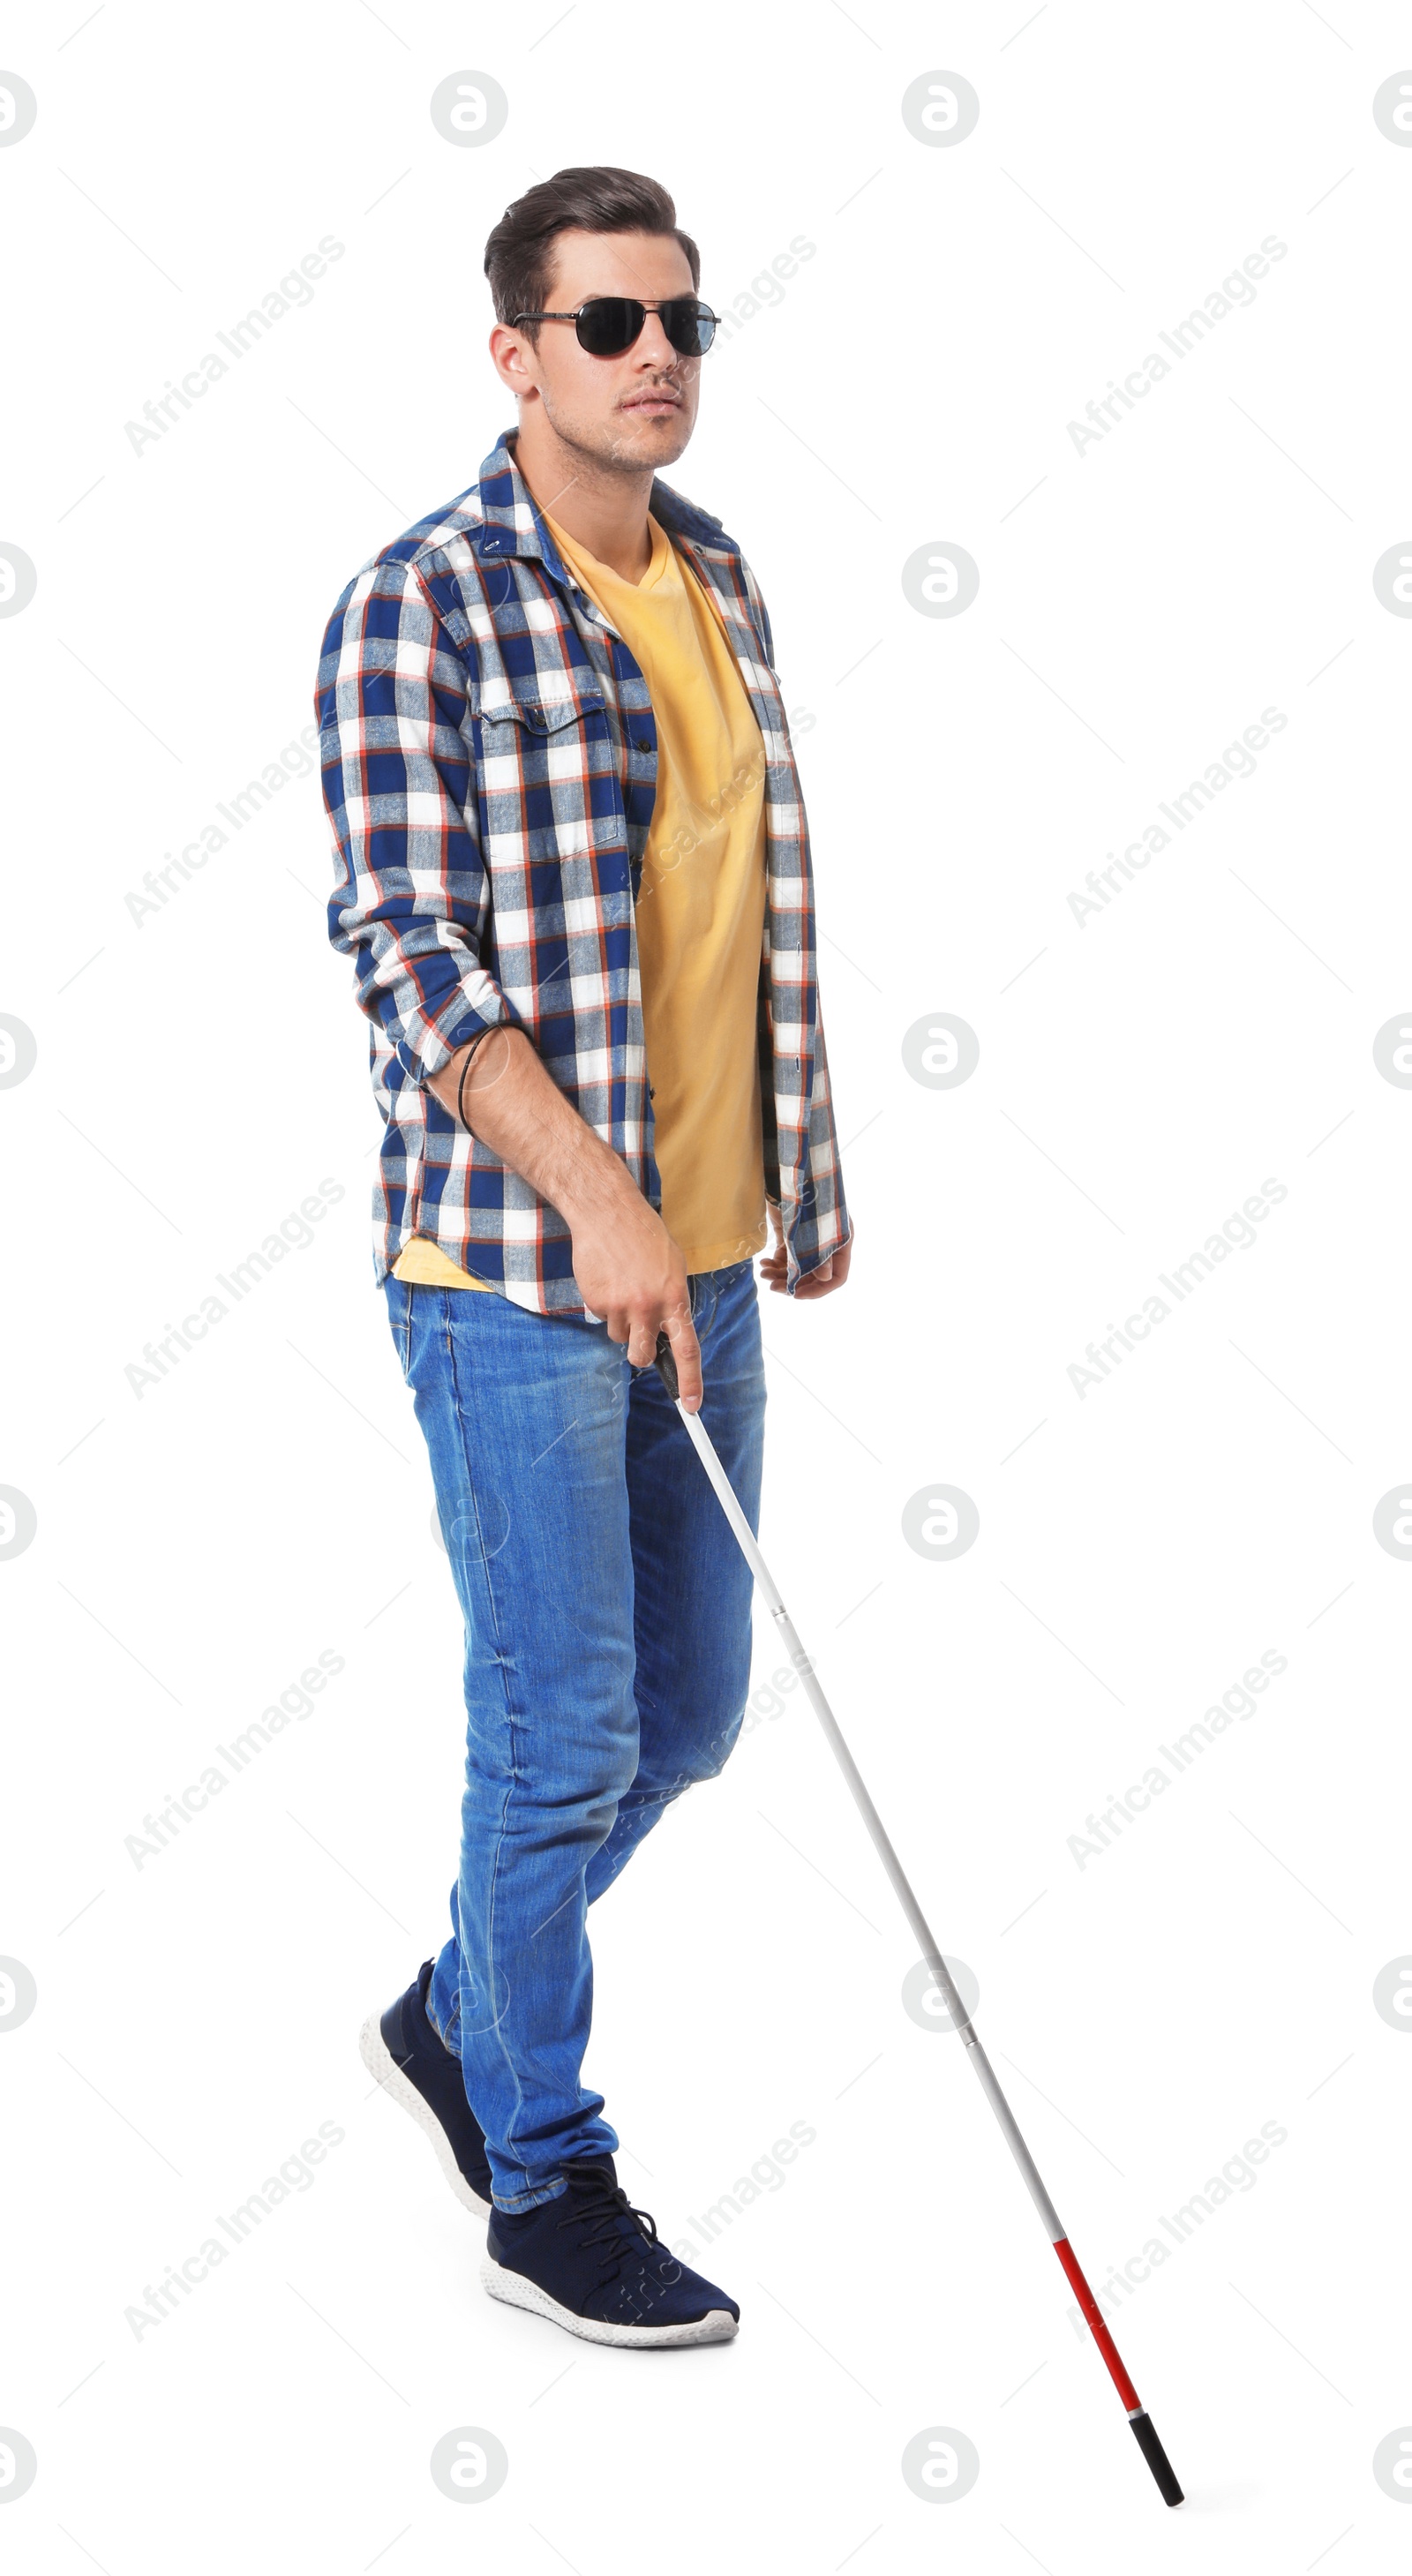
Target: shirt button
{"type": "Point", "coordinates": [644, 741]}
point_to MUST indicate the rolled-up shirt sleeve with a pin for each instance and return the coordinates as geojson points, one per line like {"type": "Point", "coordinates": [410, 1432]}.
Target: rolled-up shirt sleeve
{"type": "Point", "coordinates": [828, 1225]}
{"type": "Point", "coordinates": [411, 904]}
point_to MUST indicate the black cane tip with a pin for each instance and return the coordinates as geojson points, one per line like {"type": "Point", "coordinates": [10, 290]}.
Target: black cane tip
{"type": "Point", "coordinates": [1156, 2457]}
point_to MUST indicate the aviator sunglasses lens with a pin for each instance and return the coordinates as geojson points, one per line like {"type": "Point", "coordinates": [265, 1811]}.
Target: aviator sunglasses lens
{"type": "Point", "coordinates": [609, 324]}
{"type": "Point", "coordinates": [688, 326]}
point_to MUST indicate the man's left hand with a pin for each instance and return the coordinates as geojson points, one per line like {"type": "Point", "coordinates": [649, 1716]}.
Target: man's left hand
{"type": "Point", "coordinates": [831, 1274]}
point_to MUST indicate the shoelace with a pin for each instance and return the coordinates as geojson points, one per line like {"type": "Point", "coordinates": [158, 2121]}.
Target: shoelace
{"type": "Point", "coordinates": [601, 2214]}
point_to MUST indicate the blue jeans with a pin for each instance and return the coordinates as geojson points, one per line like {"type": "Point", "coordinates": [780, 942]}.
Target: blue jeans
{"type": "Point", "coordinates": [608, 1635]}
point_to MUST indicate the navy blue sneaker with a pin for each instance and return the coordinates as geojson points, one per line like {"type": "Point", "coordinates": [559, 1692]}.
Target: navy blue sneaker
{"type": "Point", "coordinates": [593, 2264]}
{"type": "Point", "coordinates": [402, 2049]}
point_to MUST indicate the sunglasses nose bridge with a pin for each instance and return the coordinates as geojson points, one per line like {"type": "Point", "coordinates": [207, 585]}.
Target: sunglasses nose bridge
{"type": "Point", "coordinates": [652, 338]}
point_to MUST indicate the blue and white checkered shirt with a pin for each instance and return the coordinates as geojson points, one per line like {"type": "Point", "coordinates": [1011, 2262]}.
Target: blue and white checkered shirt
{"type": "Point", "coordinates": [489, 764]}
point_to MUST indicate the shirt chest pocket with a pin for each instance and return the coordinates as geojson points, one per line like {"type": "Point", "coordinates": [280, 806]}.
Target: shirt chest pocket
{"type": "Point", "coordinates": [526, 741]}
{"type": "Point", "coordinates": [549, 774]}
{"type": "Point", "coordinates": [513, 716]}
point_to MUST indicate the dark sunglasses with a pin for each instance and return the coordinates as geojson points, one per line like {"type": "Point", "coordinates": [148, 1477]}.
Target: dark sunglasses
{"type": "Point", "coordinates": [609, 324]}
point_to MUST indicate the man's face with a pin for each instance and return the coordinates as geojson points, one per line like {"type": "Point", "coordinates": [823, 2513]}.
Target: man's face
{"type": "Point", "coordinates": [631, 412]}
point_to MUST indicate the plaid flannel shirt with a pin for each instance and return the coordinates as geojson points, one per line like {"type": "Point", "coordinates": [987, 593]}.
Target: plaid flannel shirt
{"type": "Point", "coordinates": [489, 765]}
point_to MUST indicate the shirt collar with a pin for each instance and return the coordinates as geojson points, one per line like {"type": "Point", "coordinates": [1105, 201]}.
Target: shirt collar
{"type": "Point", "coordinates": [510, 524]}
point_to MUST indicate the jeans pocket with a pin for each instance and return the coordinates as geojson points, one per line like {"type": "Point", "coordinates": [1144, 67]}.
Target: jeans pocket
{"type": "Point", "coordinates": [399, 1316]}
{"type": "Point", "coordinates": [707, 1289]}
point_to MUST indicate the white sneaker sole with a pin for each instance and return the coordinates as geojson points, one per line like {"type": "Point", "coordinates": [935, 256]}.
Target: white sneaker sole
{"type": "Point", "coordinates": [717, 2326]}
{"type": "Point", "coordinates": [380, 2062]}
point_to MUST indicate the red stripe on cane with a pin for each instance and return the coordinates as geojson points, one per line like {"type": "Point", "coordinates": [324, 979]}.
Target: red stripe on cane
{"type": "Point", "coordinates": [1101, 2335]}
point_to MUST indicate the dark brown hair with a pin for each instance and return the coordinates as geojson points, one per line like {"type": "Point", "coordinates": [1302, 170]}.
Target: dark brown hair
{"type": "Point", "coordinates": [519, 259]}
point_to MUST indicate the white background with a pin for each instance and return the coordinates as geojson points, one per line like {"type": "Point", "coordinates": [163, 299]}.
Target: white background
{"type": "Point", "coordinates": [1140, 1546]}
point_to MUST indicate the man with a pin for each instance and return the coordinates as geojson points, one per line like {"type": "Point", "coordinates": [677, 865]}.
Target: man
{"type": "Point", "coordinates": [574, 880]}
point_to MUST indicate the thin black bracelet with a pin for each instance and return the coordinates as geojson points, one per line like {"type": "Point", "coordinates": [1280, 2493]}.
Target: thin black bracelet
{"type": "Point", "coordinates": [465, 1069]}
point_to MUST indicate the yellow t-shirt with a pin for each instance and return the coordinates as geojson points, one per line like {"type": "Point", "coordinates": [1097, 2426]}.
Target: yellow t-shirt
{"type": "Point", "coordinates": [700, 913]}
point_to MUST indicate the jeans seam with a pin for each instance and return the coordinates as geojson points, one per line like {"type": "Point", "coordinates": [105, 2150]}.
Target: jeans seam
{"type": "Point", "coordinates": [451, 2046]}
{"type": "Point", "coordinates": [510, 2065]}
